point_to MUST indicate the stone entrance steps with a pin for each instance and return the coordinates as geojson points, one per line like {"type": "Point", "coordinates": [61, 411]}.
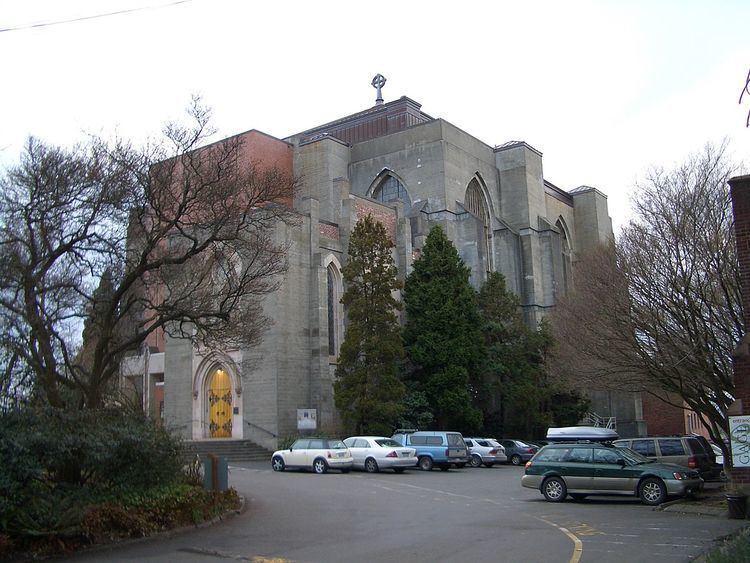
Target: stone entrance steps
{"type": "Point", "coordinates": [231, 450]}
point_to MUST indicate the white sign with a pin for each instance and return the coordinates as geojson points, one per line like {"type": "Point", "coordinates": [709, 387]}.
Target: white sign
{"type": "Point", "coordinates": [307, 419]}
{"type": "Point", "coordinates": [739, 432]}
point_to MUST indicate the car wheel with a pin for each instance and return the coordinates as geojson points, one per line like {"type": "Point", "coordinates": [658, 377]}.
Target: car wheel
{"type": "Point", "coordinates": [320, 466]}
{"type": "Point", "coordinates": [398, 469]}
{"type": "Point", "coordinates": [475, 461]}
{"type": "Point", "coordinates": [652, 491]}
{"type": "Point", "coordinates": [515, 459]}
{"type": "Point", "coordinates": [489, 464]}
{"type": "Point", "coordinates": [577, 496]}
{"type": "Point", "coordinates": [278, 463]}
{"type": "Point", "coordinates": [425, 463]}
{"type": "Point", "coordinates": [554, 489]}
{"type": "Point", "coordinates": [371, 466]}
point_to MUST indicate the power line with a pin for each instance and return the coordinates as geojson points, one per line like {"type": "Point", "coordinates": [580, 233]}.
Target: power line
{"type": "Point", "coordinates": [83, 18]}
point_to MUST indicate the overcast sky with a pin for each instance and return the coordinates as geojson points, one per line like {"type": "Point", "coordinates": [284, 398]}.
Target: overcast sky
{"type": "Point", "coordinates": [605, 89]}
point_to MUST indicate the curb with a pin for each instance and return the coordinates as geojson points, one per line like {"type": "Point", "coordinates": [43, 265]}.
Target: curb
{"type": "Point", "coordinates": [687, 506]}
{"type": "Point", "coordinates": [102, 547]}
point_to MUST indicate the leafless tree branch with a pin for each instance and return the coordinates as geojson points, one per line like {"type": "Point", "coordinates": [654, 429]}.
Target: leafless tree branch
{"type": "Point", "coordinates": [126, 241]}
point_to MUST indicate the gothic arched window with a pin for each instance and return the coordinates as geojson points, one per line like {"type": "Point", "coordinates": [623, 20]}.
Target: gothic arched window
{"type": "Point", "coordinates": [334, 298]}
{"type": "Point", "coordinates": [566, 256]}
{"type": "Point", "coordinates": [476, 204]}
{"type": "Point", "coordinates": [390, 189]}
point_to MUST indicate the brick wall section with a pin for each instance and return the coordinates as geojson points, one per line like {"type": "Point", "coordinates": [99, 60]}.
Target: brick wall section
{"type": "Point", "coordinates": [740, 191]}
{"type": "Point", "coordinates": [384, 215]}
{"type": "Point", "coordinates": [662, 419]}
{"type": "Point", "coordinates": [329, 231]}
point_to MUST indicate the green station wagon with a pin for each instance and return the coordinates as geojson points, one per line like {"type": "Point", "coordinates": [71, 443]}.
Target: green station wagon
{"type": "Point", "coordinates": [581, 469]}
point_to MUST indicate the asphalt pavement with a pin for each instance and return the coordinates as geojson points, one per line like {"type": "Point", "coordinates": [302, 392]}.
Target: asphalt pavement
{"type": "Point", "coordinates": [461, 515]}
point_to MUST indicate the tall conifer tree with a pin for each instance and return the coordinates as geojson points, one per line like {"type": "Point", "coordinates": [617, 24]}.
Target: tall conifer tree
{"type": "Point", "coordinates": [442, 337]}
{"type": "Point", "coordinates": [368, 391]}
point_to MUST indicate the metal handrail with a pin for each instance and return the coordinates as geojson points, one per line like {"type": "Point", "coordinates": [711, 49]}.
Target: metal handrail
{"type": "Point", "coordinates": [260, 428]}
{"type": "Point", "coordinates": [609, 422]}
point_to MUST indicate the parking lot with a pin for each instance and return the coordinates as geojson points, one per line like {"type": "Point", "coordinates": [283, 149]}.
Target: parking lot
{"type": "Point", "coordinates": [459, 515]}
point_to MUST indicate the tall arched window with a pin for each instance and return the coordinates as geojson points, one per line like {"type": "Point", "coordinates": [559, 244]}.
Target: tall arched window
{"type": "Point", "coordinates": [390, 189]}
{"type": "Point", "coordinates": [566, 256]}
{"type": "Point", "coordinates": [334, 299]}
{"type": "Point", "coordinates": [475, 203]}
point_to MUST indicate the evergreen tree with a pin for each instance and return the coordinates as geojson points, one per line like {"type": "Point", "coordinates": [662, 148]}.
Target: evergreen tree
{"type": "Point", "coordinates": [516, 395]}
{"type": "Point", "coordinates": [368, 391]}
{"type": "Point", "coordinates": [442, 335]}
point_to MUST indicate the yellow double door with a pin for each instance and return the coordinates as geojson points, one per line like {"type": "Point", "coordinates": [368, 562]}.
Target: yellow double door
{"type": "Point", "coordinates": [220, 405]}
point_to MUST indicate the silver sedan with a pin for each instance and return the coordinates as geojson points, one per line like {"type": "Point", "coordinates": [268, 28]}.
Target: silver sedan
{"type": "Point", "coordinates": [373, 453]}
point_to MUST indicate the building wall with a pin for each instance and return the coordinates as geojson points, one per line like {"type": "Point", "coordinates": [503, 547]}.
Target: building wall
{"type": "Point", "coordinates": [740, 190]}
{"type": "Point", "coordinates": [662, 419]}
{"type": "Point", "coordinates": [436, 161]}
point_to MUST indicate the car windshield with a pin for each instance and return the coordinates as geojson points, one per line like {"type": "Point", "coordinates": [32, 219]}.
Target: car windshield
{"type": "Point", "coordinates": [521, 444]}
{"type": "Point", "coordinates": [493, 442]}
{"type": "Point", "coordinates": [336, 445]}
{"type": "Point", "coordinates": [388, 443]}
{"type": "Point", "coordinates": [633, 457]}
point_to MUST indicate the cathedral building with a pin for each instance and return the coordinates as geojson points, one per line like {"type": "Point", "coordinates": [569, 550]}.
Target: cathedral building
{"type": "Point", "coordinates": [410, 171]}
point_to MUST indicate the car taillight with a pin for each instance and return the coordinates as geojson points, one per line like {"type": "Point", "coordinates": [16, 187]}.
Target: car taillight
{"type": "Point", "coordinates": [447, 452]}
{"type": "Point", "coordinates": [692, 462]}
{"type": "Point", "coordinates": [493, 452]}
{"type": "Point", "coordinates": [530, 450]}
{"type": "Point", "coordinates": [328, 455]}
{"type": "Point", "coordinates": [392, 454]}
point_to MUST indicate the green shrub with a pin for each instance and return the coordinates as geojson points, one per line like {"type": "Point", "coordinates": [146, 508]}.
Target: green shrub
{"type": "Point", "coordinates": [57, 462]}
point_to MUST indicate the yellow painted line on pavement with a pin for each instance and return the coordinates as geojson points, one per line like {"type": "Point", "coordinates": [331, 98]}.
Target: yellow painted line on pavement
{"type": "Point", "coordinates": [577, 543]}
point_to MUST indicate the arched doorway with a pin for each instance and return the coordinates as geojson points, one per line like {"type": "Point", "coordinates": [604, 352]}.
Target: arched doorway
{"type": "Point", "coordinates": [220, 404]}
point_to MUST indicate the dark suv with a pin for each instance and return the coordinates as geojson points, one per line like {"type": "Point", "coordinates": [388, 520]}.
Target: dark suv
{"type": "Point", "coordinates": [682, 450]}
{"type": "Point", "coordinates": [581, 469]}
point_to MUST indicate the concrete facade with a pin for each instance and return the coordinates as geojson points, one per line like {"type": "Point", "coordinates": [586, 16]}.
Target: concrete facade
{"type": "Point", "coordinates": [492, 201]}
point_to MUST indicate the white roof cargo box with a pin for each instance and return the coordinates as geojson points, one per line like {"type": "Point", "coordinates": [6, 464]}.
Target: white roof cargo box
{"type": "Point", "coordinates": [575, 433]}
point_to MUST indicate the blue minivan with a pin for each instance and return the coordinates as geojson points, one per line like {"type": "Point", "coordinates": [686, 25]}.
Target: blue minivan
{"type": "Point", "coordinates": [435, 448]}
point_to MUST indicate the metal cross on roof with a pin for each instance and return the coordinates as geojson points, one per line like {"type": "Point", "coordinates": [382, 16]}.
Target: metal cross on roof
{"type": "Point", "coordinates": [378, 82]}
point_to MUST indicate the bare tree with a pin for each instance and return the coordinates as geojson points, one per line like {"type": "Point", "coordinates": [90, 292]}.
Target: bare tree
{"type": "Point", "coordinates": [660, 310]}
{"type": "Point", "coordinates": [746, 90]}
{"type": "Point", "coordinates": [131, 240]}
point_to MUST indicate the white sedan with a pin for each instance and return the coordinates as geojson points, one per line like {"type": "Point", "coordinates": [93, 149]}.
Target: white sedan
{"type": "Point", "coordinates": [373, 453]}
{"type": "Point", "coordinates": [485, 451]}
{"type": "Point", "coordinates": [318, 454]}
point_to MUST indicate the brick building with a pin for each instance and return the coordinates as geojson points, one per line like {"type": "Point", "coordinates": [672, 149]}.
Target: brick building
{"type": "Point", "coordinates": [740, 190]}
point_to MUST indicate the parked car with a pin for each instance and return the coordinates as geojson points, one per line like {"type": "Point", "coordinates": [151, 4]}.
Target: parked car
{"type": "Point", "coordinates": [435, 448]}
{"type": "Point", "coordinates": [719, 454]}
{"type": "Point", "coordinates": [681, 450]}
{"type": "Point", "coordinates": [373, 453]}
{"type": "Point", "coordinates": [581, 469]}
{"type": "Point", "coordinates": [518, 451]}
{"type": "Point", "coordinates": [318, 454]}
{"type": "Point", "coordinates": [485, 451]}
